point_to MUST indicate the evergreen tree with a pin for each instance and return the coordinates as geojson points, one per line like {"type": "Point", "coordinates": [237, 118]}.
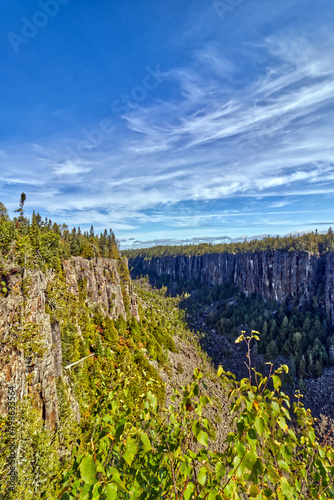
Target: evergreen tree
{"type": "Point", "coordinates": [272, 350]}
{"type": "Point", "coordinates": [20, 209]}
{"type": "Point", "coordinates": [3, 212]}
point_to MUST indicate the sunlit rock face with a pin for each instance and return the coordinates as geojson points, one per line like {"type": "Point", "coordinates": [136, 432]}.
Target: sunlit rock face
{"type": "Point", "coordinates": [103, 284]}
{"type": "Point", "coordinates": [34, 375]}
{"type": "Point", "coordinates": [37, 375]}
{"type": "Point", "coordinates": [272, 274]}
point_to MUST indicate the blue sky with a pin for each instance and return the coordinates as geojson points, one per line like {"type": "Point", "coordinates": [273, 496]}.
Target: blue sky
{"type": "Point", "coordinates": [169, 121]}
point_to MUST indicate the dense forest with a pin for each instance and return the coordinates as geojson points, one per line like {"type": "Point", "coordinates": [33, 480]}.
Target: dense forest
{"type": "Point", "coordinates": [128, 444]}
{"type": "Point", "coordinates": [304, 337]}
{"type": "Point", "coordinates": [43, 244]}
{"type": "Point", "coordinates": [309, 242]}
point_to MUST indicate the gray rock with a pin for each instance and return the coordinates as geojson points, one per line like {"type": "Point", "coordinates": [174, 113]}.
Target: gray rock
{"type": "Point", "coordinates": [37, 375]}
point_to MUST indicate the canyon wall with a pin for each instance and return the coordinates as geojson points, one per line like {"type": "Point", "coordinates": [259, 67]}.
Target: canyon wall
{"type": "Point", "coordinates": [23, 318]}
{"type": "Point", "coordinates": [104, 285]}
{"type": "Point", "coordinates": [35, 375]}
{"type": "Point", "coordinates": [272, 274]}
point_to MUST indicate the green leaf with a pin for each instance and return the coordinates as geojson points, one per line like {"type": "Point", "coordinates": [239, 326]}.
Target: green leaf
{"type": "Point", "coordinates": [275, 407]}
{"type": "Point", "coordinates": [146, 442]}
{"type": "Point", "coordinates": [286, 487]}
{"type": "Point", "coordinates": [131, 450]}
{"type": "Point", "coordinates": [241, 428]}
{"type": "Point", "coordinates": [201, 477]}
{"type": "Point", "coordinates": [257, 470]}
{"type": "Point", "coordinates": [252, 434]}
{"type": "Point", "coordinates": [204, 400]}
{"type": "Point", "coordinates": [100, 468]}
{"type": "Point", "coordinates": [286, 453]}
{"type": "Point", "coordinates": [286, 413]}
{"type": "Point", "coordinates": [322, 452]}
{"type": "Point", "coordinates": [220, 371]}
{"type": "Point", "coordinates": [111, 491]}
{"type": "Point", "coordinates": [298, 485]}
{"type": "Point", "coordinates": [116, 478]}
{"type": "Point", "coordinates": [311, 435]}
{"type": "Point", "coordinates": [282, 423]}
{"type": "Point", "coordinates": [259, 425]}
{"type": "Point", "coordinates": [97, 492]}
{"type": "Point", "coordinates": [250, 459]}
{"type": "Point", "coordinates": [197, 374]}
{"type": "Point", "coordinates": [213, 495]}
{"type": "Point", "coordinates": [249, 405]}
{"type": "Point", "coordinates": [240, 449]}
{"type": "Point", "coordinates": [85, 492]}
{"type": "Point", "coordinates": [202, 438]}
{"type": "Point", "coordinates": [135, 491]}
{"type": "Point", "coordinates": [283, 465]}
{"type": "Point", "coordinates": [292, 434]}
{"type": "Point", "coordinates": [119, 431]}
{"type": "Point", "coordinates": [268, 492]}
{"type": "Point", "coordinates": [254, 491]}
{"type": "Point", "coordinates": [251, 396]}
{"type": "Point", "coordinates": [76, 485]}
{"type": "Point", "coordinates": [188, 491]}
{"type": "Point", "coordinates": [88, 469]}
{"type": "Point", "coordinates": [276, 381]}
{"type": "Point", "coordinates": [240, 339]}
{"type": "Point", "coordinates": [196, 428]}
{"type": "Point", "coordinates": [152, 399]}
{"type": "Point", "coordinates": [186, 469]}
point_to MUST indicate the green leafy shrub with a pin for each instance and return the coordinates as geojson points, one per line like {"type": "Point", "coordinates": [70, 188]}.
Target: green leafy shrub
{"type": "Point", "coordinates": [147, 452]}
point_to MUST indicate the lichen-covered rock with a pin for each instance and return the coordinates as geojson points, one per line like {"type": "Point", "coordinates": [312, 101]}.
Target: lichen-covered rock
{"type": "Point", "coordinates": [103, 283]}
{"type": "Point", "coordinates": [36, 373]}
{"type": "Point", "coordinates": [29, 373]}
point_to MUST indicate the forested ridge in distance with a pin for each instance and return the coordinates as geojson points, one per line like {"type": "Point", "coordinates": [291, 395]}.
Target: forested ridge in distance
{"type": "Point", "coordinates": [308, 242]}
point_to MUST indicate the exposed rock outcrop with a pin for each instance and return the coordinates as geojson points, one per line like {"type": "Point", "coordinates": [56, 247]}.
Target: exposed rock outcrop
{"type": "Point", "coordinates": [329, 286]}
{"type": "Point", "coordinates": [103, 284]}
{"type": "Point", "coordinates": [275, 275]}
{"type": "Point", "coordinates": [30, 374]}
{"type": "Point", "coordinates": [37, 374]}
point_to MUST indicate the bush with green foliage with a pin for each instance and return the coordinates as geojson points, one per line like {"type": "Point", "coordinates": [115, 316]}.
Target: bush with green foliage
{"type": "Point", "coordinates": [36, 458]}
{"type": "Point", "coordinates": [147, 452]}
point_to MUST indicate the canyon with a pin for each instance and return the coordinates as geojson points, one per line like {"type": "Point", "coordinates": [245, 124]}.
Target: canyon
{"type": "Point", "coordinates": [275, 275]}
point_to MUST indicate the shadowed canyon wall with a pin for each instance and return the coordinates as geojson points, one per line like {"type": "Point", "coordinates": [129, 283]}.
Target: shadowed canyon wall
{"type": "Point", "coordinates": [275, 275]}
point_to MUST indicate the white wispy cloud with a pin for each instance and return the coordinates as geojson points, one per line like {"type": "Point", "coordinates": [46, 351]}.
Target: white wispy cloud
{"type": "Point", "coordinates": [207, 141]}
{"type": "Point", "coordinates": [71, 168]}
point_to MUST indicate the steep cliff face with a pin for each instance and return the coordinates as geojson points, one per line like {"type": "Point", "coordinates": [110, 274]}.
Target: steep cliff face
{"type": "Point", "coordinates": [329, 288]}
{"type": "Point", "coordinates": [273, 275]}
{"type": "Point", "coordinates": [103, 284]}
{"type": "Point", "coordinates": [23, 321]}
{"type": "Point", "coordinates": [29, 373]}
